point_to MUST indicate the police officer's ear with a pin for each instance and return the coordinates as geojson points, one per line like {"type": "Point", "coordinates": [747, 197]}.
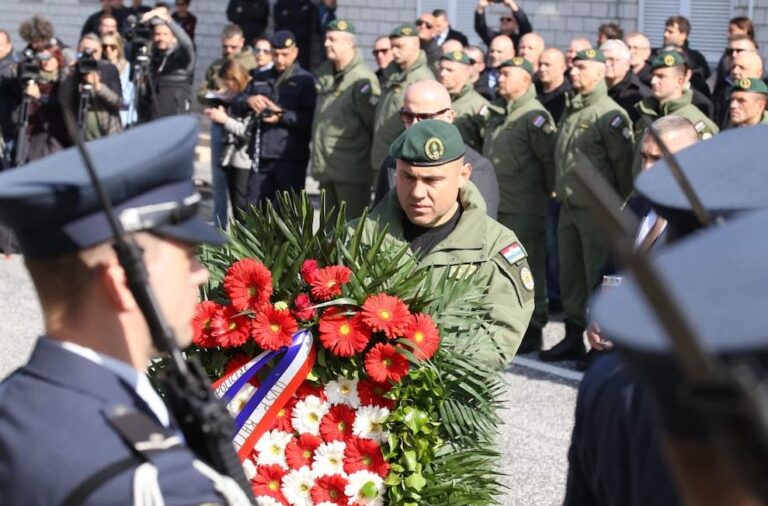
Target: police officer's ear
{"type": "Point", "coordinates": [464, 172]}
{"type": "Point", "coordinates": [450, 115]}
{"type": "Point", "coordinates": [687, 74]}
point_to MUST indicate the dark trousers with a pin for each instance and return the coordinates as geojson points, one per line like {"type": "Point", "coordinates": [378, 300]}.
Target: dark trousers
{"type": "Point", "coordinates": [553, 262]}
{"type": "Point", "coordinates": [275, 176]}
{"type": "Point", "coordinates": [237, 184]}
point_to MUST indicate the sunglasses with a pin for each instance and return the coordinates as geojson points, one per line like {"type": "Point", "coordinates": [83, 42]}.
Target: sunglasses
{"type": "Point", "coordinates": [410, 116]}
{"type": "Point", "coordinates": [258, 50]}
{"type": "Point", "coordinates": [420, 22]}
{"type": "Point", "coordinates": [506, 19]}
{"type": "Point", "coordinates": [380, 51]}
{"type": "Point", "coordinates": [109, 46]}
{"type": "Point", "coordinates": [729, 51]}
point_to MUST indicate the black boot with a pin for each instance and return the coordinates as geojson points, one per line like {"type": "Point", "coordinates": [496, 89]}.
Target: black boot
{"type": "Point", "coordinates": [531, 341]}
{"type": "Point", "coordinates": [570, 348]}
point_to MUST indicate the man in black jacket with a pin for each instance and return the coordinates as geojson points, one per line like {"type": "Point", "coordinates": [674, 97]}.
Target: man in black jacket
{"type": "Point", "coordinates": [113, 7]}
{"type": "Point", "coordinates": [172, 68]}
{"type": "Point", "coordinates": [297, 17]}
{"type": "Point", "coordinates": [445, 31]}
{"type": "Point", "coordinates": [250, 15]}
{"type": "Point", "coordinates": [676, 32]}
{"type": "Point", "coordinates": [551, 85]}
{"type": "Point", "coordinates": [283, 100]}
{"type": "Point", "coordinates": [623, 85]}
{"type": "Point", "coordinates": [514, 24]}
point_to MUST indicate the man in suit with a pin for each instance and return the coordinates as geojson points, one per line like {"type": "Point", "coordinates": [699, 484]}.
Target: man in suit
{"type": "Point", "coordinates": [445, 31]}
{"type": "Point", "coordinates": [80, 421]}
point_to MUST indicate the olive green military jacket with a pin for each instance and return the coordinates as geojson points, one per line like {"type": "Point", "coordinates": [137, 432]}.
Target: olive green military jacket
{"type": "Point", "coordinates": [683, 106]}
{"type": "Point", "coordinates": [387, 125]}
{"type": "Point", "coordinates": [596, 127]}
{"type": "Point", "coordinates": [467, 104]}
{"type": "Point", "coordinates": [728, 124]}
{"type": "Point", "coordinates": [211, 81]}
{"type": "Point", "coordinates": [342, 129]}
{"type": "Point", "coordinates": [484, 249]}
{"type": "Point", "coordinates": [520, 143]}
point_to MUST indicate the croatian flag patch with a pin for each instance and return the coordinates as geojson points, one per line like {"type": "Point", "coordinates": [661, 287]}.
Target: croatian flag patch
{"type": "Point", "coordinates": [513, 253]}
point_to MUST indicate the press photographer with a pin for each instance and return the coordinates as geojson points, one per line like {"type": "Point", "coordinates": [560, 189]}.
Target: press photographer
{"type": "Point", "coordinates": [92, 91]}
{"type": "Point", "coordinates": [167, 88]}
{"type": "Point", "coordinates": [10, 97]}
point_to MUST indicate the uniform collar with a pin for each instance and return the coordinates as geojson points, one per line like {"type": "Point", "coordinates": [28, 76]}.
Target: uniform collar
{"type": "Point", "coordinates": [522, 100]}
{"type": "Point", "coordinates": [651, 106]}
{"type": "Point", "coordinates": [400, 75]}
{"type": "Point", "coordinates": [580, 101]}
{"type": "Point", "coordinates": [466, 90]}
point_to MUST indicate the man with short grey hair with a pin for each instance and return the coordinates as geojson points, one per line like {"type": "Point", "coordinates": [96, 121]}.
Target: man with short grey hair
{"type": "Point", "coordinates": [623, 85]}
{"type": "Point", "coordinates": [640, 52]}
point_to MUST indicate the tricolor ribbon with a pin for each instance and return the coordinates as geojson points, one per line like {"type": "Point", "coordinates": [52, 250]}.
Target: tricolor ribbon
{"type": "Point", "coordinates": [255, 414]}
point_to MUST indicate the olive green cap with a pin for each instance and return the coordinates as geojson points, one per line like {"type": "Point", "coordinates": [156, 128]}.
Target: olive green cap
{"type": "Point", "coordinates": [404, 30]}
{"type": "Point", "coordinates": [518, 62]}
{"type": "Point", "coordinates": [751, 84]}
{"type": "Point", "coordinates": [428, 143]}
{"type": "Point", "coordinates": [341, 25]}
{"type": "Point", "coordinates": [590, 55]}
{"type": "Point", "coordinates": [458, 57]}
{"type": "Point", "coordinates": [667, 59]}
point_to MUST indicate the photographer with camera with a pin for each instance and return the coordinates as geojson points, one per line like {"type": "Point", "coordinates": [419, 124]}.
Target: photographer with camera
{"type": "Point", "coordinates": [513, 23]}
{"type": "Point", "coordinates": [93, 92]}
{"type": "Point", "coordinates": [10, 97]}
{"type": "Point", "coordinates": [168, 87]}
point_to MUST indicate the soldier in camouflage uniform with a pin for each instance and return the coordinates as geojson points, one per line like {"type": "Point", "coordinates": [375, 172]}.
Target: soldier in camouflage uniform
{"type": "Point", "coordinates": [598, 129]}
{"type": "Point", "coordinates": [342, 131]}
{"type": "Point", "coordinates": [466, 102]}
{"type": "Point", "coordinates": [520, 142]}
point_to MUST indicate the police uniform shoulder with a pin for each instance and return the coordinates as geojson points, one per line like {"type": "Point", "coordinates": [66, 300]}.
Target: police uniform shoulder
{"type": "Point", "coordinates": [540, 120]}
{"type": "Point", "coordinates": [511, 258]}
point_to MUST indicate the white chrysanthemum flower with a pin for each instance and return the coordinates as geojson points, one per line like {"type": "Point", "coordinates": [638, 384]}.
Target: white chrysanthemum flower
{"type": "Point", "coordinates": [369, 423]}
{"type": "Point", "coordinates": [343, 391]}
{"type": "Point", "coordinates": [249, 468]}
{"type": "Point", "coordinates": [271, 447]}
{"type": "Point", "coordinates": [365, 488]}
{"type": "Point", "coordinates": [238, 401]}
{"type": "Point", "coordinates": [308, 413]}
{"type": "Point", "coordinates": [265, 500]}
{"type": "Point", "coordinates": [297, 486]}
{"type": "Point", "coordinates": [329, 458]}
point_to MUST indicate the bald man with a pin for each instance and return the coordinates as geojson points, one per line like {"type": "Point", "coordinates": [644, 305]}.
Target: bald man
{"type": "Point", "coordinates": [551, 85]}
{"type": "Point", "coordinates": [430, 100]}
{"type": "Point", "coordinates": [578, 44]}
{"type": "Point", "coordinates": [500, 50]}
{"type": "Point", "coordinates": [530, 47]}
{"type": "Point", "coordinates": [451, 45]}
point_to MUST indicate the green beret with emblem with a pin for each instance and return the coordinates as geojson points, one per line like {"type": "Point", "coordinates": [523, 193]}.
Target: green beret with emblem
{"type": "Point", "coordinates": [404, 30]}
{"type": "Point", "coordinates": [518, 62]}
{"type": "Point", "coordinates": [428, 143]}
{"type": "Point", "coordinates": [752, 85]}
{"type": "Point", "coordinates": [667, 59]}
{"type": "Point", "coordinates": [341, 25]}
{"type": "Point", "coordinates": [590, 55]}
{"type": "Point", "coordinates": [458, 57]}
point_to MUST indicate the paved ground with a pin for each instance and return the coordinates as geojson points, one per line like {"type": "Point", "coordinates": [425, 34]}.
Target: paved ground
{"type": "Point", "coordinates": [540, 398]}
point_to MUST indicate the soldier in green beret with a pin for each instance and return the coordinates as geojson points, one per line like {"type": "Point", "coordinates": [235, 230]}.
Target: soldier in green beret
{"type": "Point", "coordinates": [748, 103]}
{"type": "Point", "coordinates": [520, 137]}
{"type": "Point", "coordinates": [342, 131]}
{"type": "Point", "coordinates": [454, 74]}
{"type": "Point", "coordinates": [441, 215]}
{"type": "Point", "coordinates": [669, 95]}
{"type": "Point", "coordinates": [599, 129]}
{"type": "Point", "coordinates": [408, 66]}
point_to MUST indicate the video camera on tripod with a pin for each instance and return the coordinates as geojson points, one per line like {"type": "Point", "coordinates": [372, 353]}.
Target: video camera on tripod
{"type": "Point", "coordinates": [29, 69]}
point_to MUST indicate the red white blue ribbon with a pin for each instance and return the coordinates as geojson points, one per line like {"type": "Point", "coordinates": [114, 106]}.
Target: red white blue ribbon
{"type": "Point", "coordinates": [255, 414]}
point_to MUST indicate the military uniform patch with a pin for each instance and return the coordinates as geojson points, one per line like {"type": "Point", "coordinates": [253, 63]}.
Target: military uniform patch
{"type": "Point", "coordinates": [513, 253]}
{"type": "Point", "coordinates": [527, 278]}
{"type": "Point", "coordinates": [626, 133]}
{"type": "Point", "coordinates": [617, 121]}
{"type": "Point", "coordinates": [365, 88]}
{"type": "Point", "coordinates": [539, 121]}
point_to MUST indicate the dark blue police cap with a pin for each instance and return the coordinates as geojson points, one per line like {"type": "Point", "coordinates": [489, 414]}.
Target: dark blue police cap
{"type": "Point", "coordinates": [727, 172]}
{"type": "Point", "coordinates": [717, 277]}
{"type": "Point", "coordinates": [282, 39]}
{"type": "Point", "coordinates": [53, 208]}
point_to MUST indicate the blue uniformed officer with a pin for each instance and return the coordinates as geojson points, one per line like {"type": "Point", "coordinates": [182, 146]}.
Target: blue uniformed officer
{"type": "Point", "coordinates": [80, 422]}
{"type": "Point", "coordinates": [283, 100]}
{"type": "Point", "coordinates": [616, 455]}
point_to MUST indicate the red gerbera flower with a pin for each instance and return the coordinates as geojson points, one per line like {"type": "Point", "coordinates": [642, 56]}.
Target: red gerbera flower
{"type": "Point", "coordinates": [386, 313]}
{"type": "Point", "coordinates": [282, 419]}
{"type": "Point", "coordinates": [302, 308]}
{"type": "Point", "coordinates": [383, 363]}
{"type": "Point", "coordinates": [344, 336]}
{"type": "Point", "coordinates": [201, 324]}
{"type": "Point", "coordinates": [273, 329]}
{"type": "Point", "coordinates": [330, 488]}
{"type": "Point", "coordinates": [268, 481]}
{"type": "Point", "coordinates": [336, 425]}
{"type": "Point", "coordinates": [364, 455]}
{"type": "Point", "coordinates": [328, 281]}
{"type": "Point", "coordinates": [309, 388]}
{"type": "Point", "coordinates": [248, 284]}
{"type": "Point", "coordinates": [300, 451]}
{"type": "Point", "coordinates": [230, 328]}
{"type": "Point", "coordinates": [309, 270]}
{"type": "Point", "coordinates": [422, 332]}
{"type": "Point", "coordinates": [372, 394]}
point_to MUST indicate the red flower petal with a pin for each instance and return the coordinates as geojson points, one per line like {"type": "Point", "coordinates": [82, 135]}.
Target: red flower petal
{"type": "Point", "coordinates": [423, 333]}
{"type": "Point", "coordinates": [302, 308]}
{"type": "Point", "coordinates": [372, 394]}
{"type": "Point", "coordinates": [329, 488]}
{"type": "Point", "coordinates": [309, 388]}
{"type": "Point", "coordinates": [300, 451]}
{"type": "Point", "coordinates": [308, 270]}
{"type": "Point", "coordinates": [283, 416]}
{"type": "Point", "coordinates": [336, 425]}
{"type": "Point", "coordinates": [273, 329]}
{"type": "Point", "coordinates": [384, 363]}
{"type": "Point", "coordinates": [268, 481]}
{"type": "Point", "coordinates": [343, 336]}
{"type": "Point", "coordinates": [364, 455]}
{"type": "Point", "coordinates": [205, 312]}
{"type": "Point", "coordinates": [328, 281]}
{"type": "Point", "coordinates": [386, 313]}
{"type": "Point", "coordinates": [248, 284]}
{"type": "Point", "coordinates": [230, 328]}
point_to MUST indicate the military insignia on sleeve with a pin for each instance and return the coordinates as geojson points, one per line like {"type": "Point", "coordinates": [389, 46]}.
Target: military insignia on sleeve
{"type": "Point", "coordinates": [434, 148]}
{"type": "Point", "coordinates": [539, 121]}
{"type": "Point", "coordinates": [527, 278]}
{"type": "Point", "coordinates": [617, 121]}
{"type": "Point", "coordinates": [626, 133]}
{"type": "Point", "coordinates": [365, 88]}
{"type": "Point", "coordinates": [288, 42]}
{"type": "Point", "coordinates": [669, 60]}
{"type": "Point", "coordinates": [513, 253]}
